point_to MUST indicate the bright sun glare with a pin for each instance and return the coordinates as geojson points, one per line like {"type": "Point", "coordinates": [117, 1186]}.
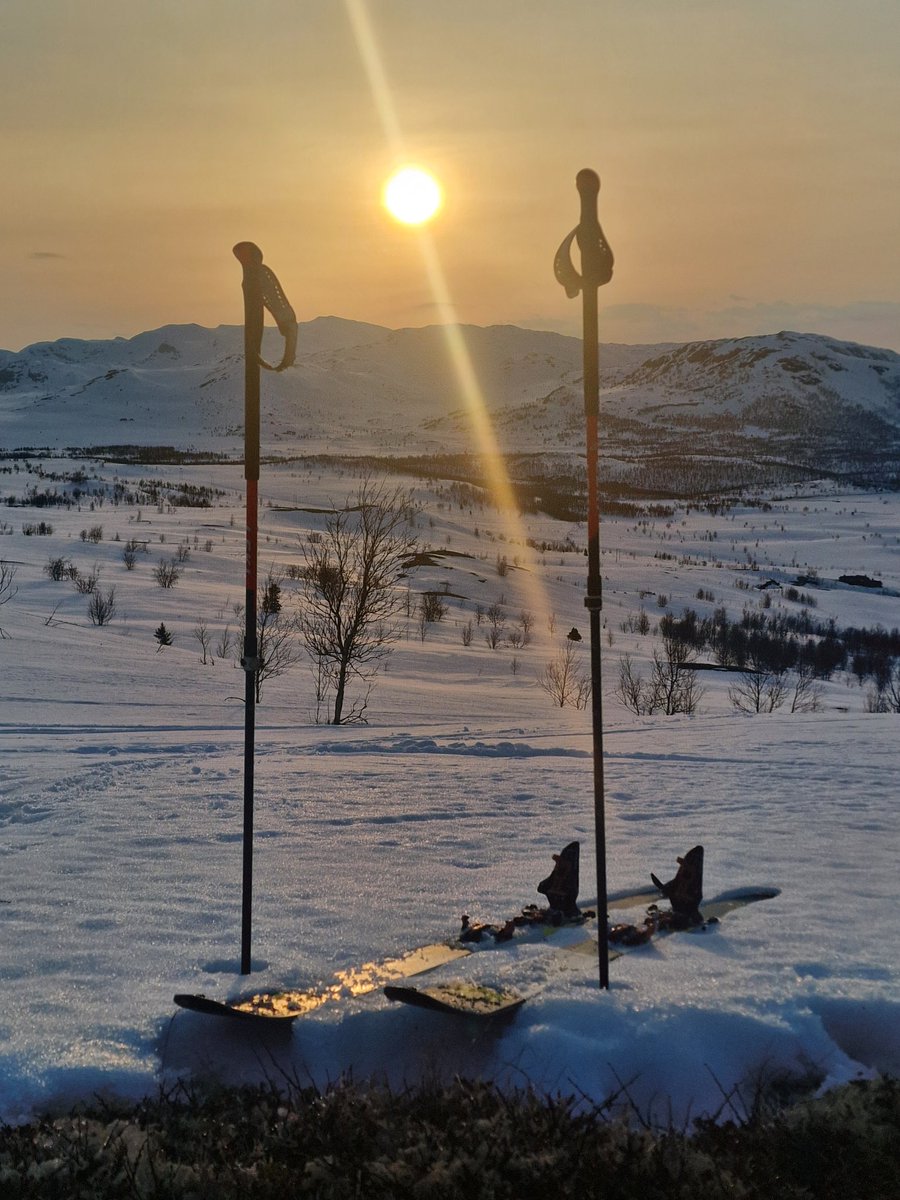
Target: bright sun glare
{"type": "Point", "coordinates": [412, 196]}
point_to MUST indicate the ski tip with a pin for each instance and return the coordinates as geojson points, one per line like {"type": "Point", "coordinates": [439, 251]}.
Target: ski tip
{"type": "Point", "coordinates": [748, 894]}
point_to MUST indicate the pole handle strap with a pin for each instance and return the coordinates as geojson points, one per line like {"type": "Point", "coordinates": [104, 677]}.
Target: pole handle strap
{"type": "Point", "coordinates": [277, 303]}
{"type": "Point", "coordinates": [263, 286]}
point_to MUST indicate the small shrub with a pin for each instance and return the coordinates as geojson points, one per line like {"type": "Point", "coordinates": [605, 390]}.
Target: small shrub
{"type": "Point", "coordinates": [167, 573]}
{"type": "Point", "coordinates": [86, 585]}
{"type": "Point", "coordinates": [102, 606]}
{"type": "Point", "coordinates": [433, 607]}
{"type": "Point", "coordinates": [58, 569]}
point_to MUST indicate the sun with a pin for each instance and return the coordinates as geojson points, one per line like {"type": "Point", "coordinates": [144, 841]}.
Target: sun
{"type": "Point", "coordinates": [412, 195]}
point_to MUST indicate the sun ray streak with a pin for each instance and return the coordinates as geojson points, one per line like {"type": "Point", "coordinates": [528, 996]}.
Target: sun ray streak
{"type": "Point", "coordinates": [373, 64]}
{"type": "Point", "coordinates": [493, 462]}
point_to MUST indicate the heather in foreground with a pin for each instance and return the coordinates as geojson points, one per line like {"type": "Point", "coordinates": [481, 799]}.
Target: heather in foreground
{"type": "Point", "coordinates": [464, 1140]}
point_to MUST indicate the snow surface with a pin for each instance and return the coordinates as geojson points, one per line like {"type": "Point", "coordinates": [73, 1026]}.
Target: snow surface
{"type": "Point", "coordinates": [121, 815]}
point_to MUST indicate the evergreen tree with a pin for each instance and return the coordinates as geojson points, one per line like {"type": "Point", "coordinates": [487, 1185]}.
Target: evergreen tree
{"type": "Point", "coordinates": [162, 635]}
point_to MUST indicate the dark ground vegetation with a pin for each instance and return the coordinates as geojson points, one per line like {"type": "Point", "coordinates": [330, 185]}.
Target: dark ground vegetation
{"type": "Point", "coordinates": [463, 1141]}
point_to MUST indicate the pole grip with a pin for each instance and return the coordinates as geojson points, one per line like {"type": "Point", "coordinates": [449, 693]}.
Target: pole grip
{"type": "Point", "coordinates": [596, 255]}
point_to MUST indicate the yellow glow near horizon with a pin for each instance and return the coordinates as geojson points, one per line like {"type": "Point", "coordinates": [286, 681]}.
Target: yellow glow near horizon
{"type": "Point", "coordinates": [412, 196]}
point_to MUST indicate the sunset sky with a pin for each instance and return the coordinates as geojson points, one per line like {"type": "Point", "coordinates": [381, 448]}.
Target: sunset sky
{"type": "Point", "coordinates": [749, 152]}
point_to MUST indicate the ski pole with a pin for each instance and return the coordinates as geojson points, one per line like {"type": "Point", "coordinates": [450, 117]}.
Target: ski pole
{"type": "Point", "coordinates": [261, 290]}
{"type": "Point", "coordinates": [596, 269]}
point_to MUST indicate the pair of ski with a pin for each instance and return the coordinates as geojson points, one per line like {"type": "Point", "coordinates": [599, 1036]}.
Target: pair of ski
{"type": "Point", "coordinates": [477, 1000]}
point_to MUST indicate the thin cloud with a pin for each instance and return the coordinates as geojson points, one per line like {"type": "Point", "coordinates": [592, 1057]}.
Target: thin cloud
{"type": "Point", "coordinates": [41, 254]}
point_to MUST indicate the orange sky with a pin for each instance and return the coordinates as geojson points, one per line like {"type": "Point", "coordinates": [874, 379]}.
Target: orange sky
{"type": "Point", "coordinates": [749, 153]}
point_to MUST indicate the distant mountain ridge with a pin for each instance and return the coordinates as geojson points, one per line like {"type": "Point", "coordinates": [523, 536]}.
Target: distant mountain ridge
{"type": "Point", "coordinates": [806, 400]}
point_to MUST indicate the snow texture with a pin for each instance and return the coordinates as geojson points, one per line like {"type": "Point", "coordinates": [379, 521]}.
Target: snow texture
{"type": "Point", "coordinates": [121, 818]}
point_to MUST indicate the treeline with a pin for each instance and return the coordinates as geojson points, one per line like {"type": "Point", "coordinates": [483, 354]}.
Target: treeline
{"type": "Point", "coordinates": [786, 641]}
{"type": "Point", "coordinates": [152, 491]}
{"type": "Point", "coordinates": [145, 455]}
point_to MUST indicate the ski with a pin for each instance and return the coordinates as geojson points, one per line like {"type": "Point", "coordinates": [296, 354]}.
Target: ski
{"type": "Point", "coordinates": [684, 893]}
{"type": "Point", "coordinates": [289, 1003]}
{"type": "Point", "coordinates": [458, 998]}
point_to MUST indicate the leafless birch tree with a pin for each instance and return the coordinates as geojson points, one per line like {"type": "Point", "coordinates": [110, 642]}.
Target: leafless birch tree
{"type": "Point", "coordinates": [351, 595]}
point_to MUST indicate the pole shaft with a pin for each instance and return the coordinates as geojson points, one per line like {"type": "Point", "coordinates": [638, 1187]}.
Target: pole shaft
{"type": "Point", "coordinates": [593, 273]}
{"type": "Point", "coordinates": [253, 323]}
{"type": "Point", "coordinates": [250, 655]}
{"type": "Point", "coordinates": [593, 602]}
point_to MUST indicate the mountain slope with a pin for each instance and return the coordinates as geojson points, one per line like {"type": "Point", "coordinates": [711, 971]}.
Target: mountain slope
{"type": "Point", "coordinates": [804, 400]}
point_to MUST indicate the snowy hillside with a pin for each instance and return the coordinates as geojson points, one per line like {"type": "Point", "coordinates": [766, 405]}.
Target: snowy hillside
{"type": "Point", "coordinates": [121, 797]}
{"type": "Point", "coordinates": [770, 409]}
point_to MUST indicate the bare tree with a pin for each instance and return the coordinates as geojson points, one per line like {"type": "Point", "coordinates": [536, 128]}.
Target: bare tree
{"type": "Point", "coordinates": [433, 606]}
{"type": "Point", "coordinates": [8, 588]}
{"type": "Point", "coordinates": [102, 606]}
{"type": "Point", "coordinates": [496, 621]}
{"type": "Point", "coordinates": [86, 585]}
{"type": "Point", "coordinates": [807, 694]}
{"type": "Point", "coordinates": [167, 573]}
{"type": "Point", "coordinates": [630, 689]}
{"type": "Point", "coordinates": [526, 624]}
{"type": "Point", "coordinates": [563, 679]}
{"type": "Point", "coordinates": [884, 695]}
{"type": "Point", "coordinates": [59, 568]}
{"type": "Point", "coordinates": [422, 625]}
{"type": "Point", "coordinates": [277, 648]}
{"type": "Point", "coordinates": [223, 646]}
{"type": "Point", "coordinates": [352, 597]}
{"type": "Point", "coordinates": [204, 637]}
{"type": "Point", "coordinates": [759, 689]}
{"type": "Point", "coordinates": [672, 686]}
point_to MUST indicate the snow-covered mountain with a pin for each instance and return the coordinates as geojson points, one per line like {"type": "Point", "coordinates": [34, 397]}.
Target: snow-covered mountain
{"type": "Point", "coordinates": [801, 400]}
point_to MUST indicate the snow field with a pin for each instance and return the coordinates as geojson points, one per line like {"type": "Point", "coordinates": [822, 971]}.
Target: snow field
{"type": "Point", "coordinates": [120, 810]}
